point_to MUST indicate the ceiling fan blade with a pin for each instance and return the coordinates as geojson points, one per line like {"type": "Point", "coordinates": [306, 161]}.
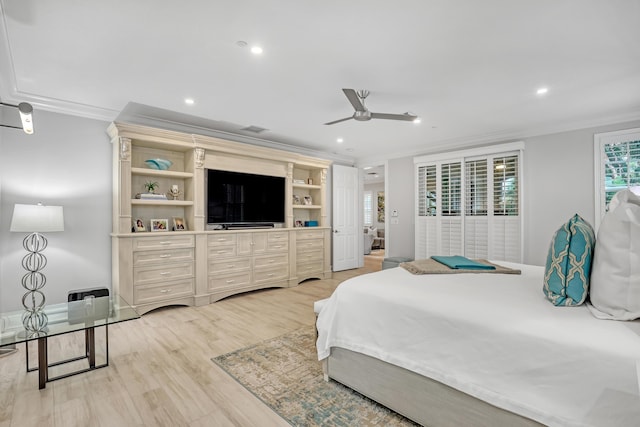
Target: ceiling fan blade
{"type": "Point", "coordinates": [338, 121]}
{"type": "Point", "coordinates": [354, 99]}
{"type": "Point", "coordinates": [405, 117]}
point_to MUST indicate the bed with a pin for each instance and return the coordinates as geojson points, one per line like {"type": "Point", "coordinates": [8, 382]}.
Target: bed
{"type": "Point", "coordinates": [478, 349]}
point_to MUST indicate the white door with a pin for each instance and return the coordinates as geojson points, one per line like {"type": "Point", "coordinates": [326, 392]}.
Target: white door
{"type": "Point", "coordinates": [346, 230]}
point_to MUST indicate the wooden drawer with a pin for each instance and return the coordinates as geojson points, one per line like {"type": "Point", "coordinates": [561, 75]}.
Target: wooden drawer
{"type": "Point", "coordinates": [278, 246]}
{"type": "Point", "coordinates": [304, 245]}
{"type": "Point", "coordinates": [309, 267]}
{"type": "Point", "coordinates": [229, 281]}
{"type": "Point", "coordinates": [222, 239]}
{"type": "Point", "coordinates": [157, 273]}
{"type": "Point", "coordinates": [154, 257]}
{"type": "Point", "coordinates": [305, 255]}
{"type": "Point", "coordinates": [310, 234]}
{"type": "Point", "coordinates": [162, 291]}
{"type": "Point", "coordinates": [278, 236]}
{"type": "Point", "coordinates": [267, 261]}
{"type": "Point", "coordinates": [221, 251]}
{"type": "Point", "coordinates": [229, 265]}
{"type": "Point", "coordinates": [163, 242]}
{"type": "Point", "coordinates": [271, 274]}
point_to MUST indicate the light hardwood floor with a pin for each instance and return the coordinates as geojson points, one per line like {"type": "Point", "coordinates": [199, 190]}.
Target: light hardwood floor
{"type": "Point", "coordinates": [160, 372]}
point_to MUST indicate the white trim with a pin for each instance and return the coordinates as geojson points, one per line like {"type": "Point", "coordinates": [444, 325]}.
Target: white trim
{"type": "Point", "coordinates": [476, 151]}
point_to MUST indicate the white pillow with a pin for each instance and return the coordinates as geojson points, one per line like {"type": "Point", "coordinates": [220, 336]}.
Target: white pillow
{"type": "Point", "coordinates": [615, 273]}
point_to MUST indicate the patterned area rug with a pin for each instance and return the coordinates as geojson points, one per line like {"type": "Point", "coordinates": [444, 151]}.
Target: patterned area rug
{"type": "Point", "coordinates": [285, 373]}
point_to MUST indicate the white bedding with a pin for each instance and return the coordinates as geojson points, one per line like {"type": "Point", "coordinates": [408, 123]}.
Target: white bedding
{"type": "Point", "coordinates": [494, 337]}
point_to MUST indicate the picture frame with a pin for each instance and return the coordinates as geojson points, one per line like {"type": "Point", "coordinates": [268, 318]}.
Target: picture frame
{"type": "Point", "coordinates": [308, 200]}
{"type": "Point", "coordinates": [179, 224]}
{"type": "Point", "coordinates": [298, 223]}
{"type": "Point", "coordinates": [138, 225]}
{"type": "Point", "coordinates": [159, 224]}
{"type": "Point", "coordinates": [296, 199]}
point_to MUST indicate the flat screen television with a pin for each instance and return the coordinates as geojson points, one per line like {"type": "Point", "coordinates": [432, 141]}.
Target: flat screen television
{"type": "Point", "coordinates": [244, 199]}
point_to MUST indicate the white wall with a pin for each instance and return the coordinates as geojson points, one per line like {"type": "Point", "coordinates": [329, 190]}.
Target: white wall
{"type": "Point", "coordinates": [67, 162]}
{"type": "Point", "coordinates": [558, 178]}
{"type": "Point", "coordinates": [399, 180]}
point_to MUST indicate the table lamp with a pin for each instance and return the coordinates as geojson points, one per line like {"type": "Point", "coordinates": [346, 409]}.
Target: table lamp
{"type": "Point", "coordinates": [35, 219]}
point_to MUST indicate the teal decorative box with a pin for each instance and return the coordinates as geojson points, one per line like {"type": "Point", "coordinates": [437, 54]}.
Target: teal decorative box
{"type": "Point", "coordinates": [311, 223]}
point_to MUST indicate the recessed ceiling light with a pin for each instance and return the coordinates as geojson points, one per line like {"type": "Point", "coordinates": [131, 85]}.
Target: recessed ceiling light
{"type": "Point", "coordinates": [417, 120]}
{"type": "Point", "coordinates": [367, 168]}
{"type": "Point", "coordinates": [256, 50]}
{"type": "Point", "coordinates": [189, 101]}
{"type": "Point", "coordinates": [542, 91]}
{"type": "Point", "coordinates": [340, 140]}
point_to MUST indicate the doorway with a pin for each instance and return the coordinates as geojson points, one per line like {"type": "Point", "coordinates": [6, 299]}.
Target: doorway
{"type": "Point", "coordinates": [374, 216]}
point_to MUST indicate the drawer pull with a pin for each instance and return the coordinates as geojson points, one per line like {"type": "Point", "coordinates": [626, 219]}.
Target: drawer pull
{"type": "Point", "coordinates": [164, 273]}
{"type": "Point", "coordinates": [164, 291]}
{"type": "Point", "coordinates": [230, 266]}
{"type": "Point", "coordinates": [270, 274]}
{"type": "Point", "coordinates": [222, 239]}
{"type": "Point", "coordinates": [165, 243]}
{"type": "Point", "coordinates": [165, 256]}
{"type": "Point", "coordinates": [271, 261]}
{"type": "Point", "coordinates": [223, 252]}
{"type": "Point", "coordinates": [230, 281]}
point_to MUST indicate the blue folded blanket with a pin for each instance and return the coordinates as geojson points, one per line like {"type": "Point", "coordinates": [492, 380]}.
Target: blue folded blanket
{"type": "Point", "coordinates": [461, 263]}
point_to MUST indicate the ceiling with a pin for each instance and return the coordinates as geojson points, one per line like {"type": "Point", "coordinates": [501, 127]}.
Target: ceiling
{"type": "Point", "coordinates": [469, 69]}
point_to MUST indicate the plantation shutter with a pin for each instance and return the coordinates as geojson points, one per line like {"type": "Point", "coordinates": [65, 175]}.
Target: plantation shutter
{"type": "Point", "coordinates": [476, 223]}
{"type": "Point", "coordinates": [470, 207]}
{"type": "Point", "coordinates": [506, 224]}
{"type": "Point", "coordinates": [426, 222]}
{"type": "Point", "coordinates": [617, 166]}
{"type": "Point", "coordinates": [368, 208]}
{"type": "Point", "coordinates": [451, 209]}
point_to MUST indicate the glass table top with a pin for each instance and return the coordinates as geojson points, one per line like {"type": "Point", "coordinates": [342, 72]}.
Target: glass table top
{"type": "Point", "coordinates": [68, 317]}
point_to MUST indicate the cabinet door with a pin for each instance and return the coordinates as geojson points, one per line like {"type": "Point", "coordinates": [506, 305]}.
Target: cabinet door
{"type": "Point", "coordinates": [244, 243]}
{"type": "Point", "coordinates": [259, 243]}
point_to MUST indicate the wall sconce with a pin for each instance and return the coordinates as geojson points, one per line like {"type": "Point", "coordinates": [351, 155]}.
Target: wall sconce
{"type": "Point", "coordinates": [26, 116]}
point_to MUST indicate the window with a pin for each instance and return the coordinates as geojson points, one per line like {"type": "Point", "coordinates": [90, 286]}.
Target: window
{"type": "Point", "coordinates": [468, 203]}
{"type": "Point", "coordinates": [368, 208]}
{"type": "Point", "coordinates": [617, 166]}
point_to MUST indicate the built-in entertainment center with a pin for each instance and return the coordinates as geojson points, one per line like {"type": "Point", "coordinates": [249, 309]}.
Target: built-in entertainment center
{"type": "Point", "coordinates": [198, 218]}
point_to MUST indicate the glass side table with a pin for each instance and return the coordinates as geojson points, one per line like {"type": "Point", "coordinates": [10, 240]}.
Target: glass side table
{"type": "Point", "coordinates": [84, 315]}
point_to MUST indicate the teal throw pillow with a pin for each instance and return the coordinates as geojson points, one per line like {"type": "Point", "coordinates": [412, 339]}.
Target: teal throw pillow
{"type": "Point", "coordinates": [566, 276]}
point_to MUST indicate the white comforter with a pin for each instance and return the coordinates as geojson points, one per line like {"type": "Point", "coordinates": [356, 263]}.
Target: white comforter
{"type": "Point", "coordinates": [495, 337]}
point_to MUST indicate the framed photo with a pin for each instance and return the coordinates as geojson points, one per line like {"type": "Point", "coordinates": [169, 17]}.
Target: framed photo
{"type": "Point", "coordinates": [179, 224]}
{"type": "Point", "coordinates": [296, 199]}
{"type": "Point", "coordinates": [308, 200]}
{"type": "Point", "coordinates": [159, 224]}
{"type": "Point", "coordinates": [298, 223]}
{"type": "Point", "coordinates": [138, 225]}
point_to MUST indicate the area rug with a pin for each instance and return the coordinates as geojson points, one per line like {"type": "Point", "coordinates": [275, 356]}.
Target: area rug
{"type": "Point", "coordinates": [285, 373]}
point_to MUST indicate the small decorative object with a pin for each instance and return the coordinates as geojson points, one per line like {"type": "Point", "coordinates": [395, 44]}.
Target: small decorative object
{"type": "Point", "coordinates": [160, 164]}
{"type": "Point", "coordinates": [380, 206]}
{"type": "Point", "coordinates": [299, 223]}
{"type": "Point", "coordinates": [174, 191]}
{"type": "Point", "coordinates": [151, 186]}
{"type": "Point", "coordinates": [138, 225]}
{"type": "Point", "coordinates": [159, 224]}
{"type": "Point", "coordinates": [298, 181]}
{"type": "Point", "coordinates": [296, 199]}
{"type": "Point", "coordinates": [179, 224]}
{"type": "Point", "coordinates": [311, 223]}
{"type": "Point", "coordinates": [308, 200]}
{"type": "Point", "coordinates": [309, 181]}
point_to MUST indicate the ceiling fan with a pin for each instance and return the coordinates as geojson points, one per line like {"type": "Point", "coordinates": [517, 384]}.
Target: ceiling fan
{"type": "Point", "coordinates": [362, 114]}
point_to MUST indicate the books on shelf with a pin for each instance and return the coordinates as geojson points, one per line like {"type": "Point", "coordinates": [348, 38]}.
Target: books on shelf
{"type": "Point", "coordinates": [152, 196]}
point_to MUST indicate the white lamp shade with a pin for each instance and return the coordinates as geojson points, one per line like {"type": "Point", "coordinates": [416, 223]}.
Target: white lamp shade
{"type": "Point", "coordinates": [37, 218]}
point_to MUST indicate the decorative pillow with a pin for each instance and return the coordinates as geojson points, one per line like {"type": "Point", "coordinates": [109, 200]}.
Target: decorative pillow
{"type": "Point", "coordinates": [566, 276]}
{"type": "Point", "coordinates": [615, 279]}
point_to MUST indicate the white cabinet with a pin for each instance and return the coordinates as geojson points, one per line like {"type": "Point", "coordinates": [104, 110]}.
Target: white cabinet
{"type": "Point", "coordinates": [242, 261]}
{"type": "Point", "coordinates": [197, 266]}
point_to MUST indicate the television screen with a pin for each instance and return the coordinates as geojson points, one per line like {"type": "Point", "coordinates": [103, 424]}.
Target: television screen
{"type": "Point", "coordinates": [243, 198]}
